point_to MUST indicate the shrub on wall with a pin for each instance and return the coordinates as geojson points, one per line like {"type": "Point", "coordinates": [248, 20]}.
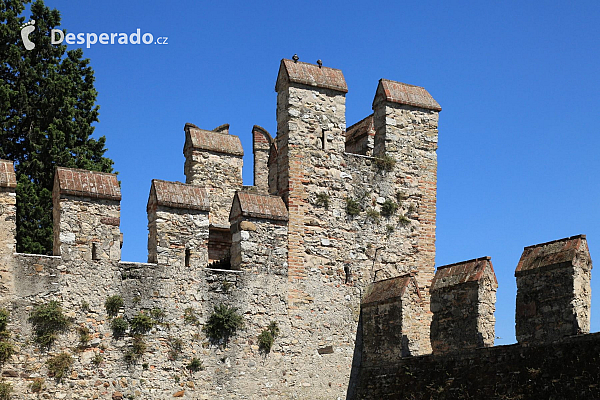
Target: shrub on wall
{"type": "Point", "coordinates": [6, 351]}
{"type": "Point", "coordinates": [195, 365]}
{"type": "Point", "coordinates": [388, 208]}
{"type": "Point", "coordinates": [267, 338]}
{"type": "Point", "coordinates": [223, 323]}
{"type": "Point", "coordinates": [113, 304]}
{"type": "Point", "coordinates": [119, 327]}
{"type": "Point", "coordinates": [385, 163]}
{"type": "Point", "coordinates": [141, 323]}
{"type": "Point", "coordinates": [59, 365]}
{"type": "Point", "coordinates": [352, 206]}
{"type": "Point", "coordinates": [48, 320]}
{"type": "Point", "coordinates": [5, 390]}
{"type": "Point", "coordinates": [322, 200]}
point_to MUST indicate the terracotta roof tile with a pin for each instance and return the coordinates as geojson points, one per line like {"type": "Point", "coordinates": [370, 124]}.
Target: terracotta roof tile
{"type": "Point", "coordinates": [259, 206]}
{"type": "Point", "coordinates": [83, 183]}
{"type": "Point", "coordinates": [552, 254]}
{"type": "Point", "coordinates": [402, 93]}
{"type": "Point", "coordinates": [462, 272]}
{"type": "Point", "coordinates": [361, 128]}
{"type": "Point", "coordinates": [179, 195]}
{"type": "Point", "coordinates": [7, 174]}
{"type": "Point", "coordinates": [213, 141]}
{"type": "Point", "coordinates": [388, 289]}
{"type": "Point", "coordinates": [313, 75]}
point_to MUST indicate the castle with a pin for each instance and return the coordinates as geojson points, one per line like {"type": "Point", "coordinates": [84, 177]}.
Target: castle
{"type": "Point", "coordinates": [335, 243]}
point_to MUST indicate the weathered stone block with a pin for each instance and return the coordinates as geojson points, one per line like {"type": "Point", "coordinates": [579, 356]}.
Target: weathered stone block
{"type": "Point", "coordinates": [463, 299]}
{"type": "Point", "coordinates": [390, 311]}
{"type": "Point", "coordinates": [553, 290]}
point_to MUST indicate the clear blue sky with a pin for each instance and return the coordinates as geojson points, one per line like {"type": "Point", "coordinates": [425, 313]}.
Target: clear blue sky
{"type": "Point", "coordinates": [518, 83]}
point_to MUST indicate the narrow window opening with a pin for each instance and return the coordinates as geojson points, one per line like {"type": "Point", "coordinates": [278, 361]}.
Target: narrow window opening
{"type": "Point", "coordinates": [188, 255]}
{"type": "Point", "coordinates": [94, 252]}
{"type": "Point", "coordinates": [323, 140]}
{"type": "Point", "coordinates": [348, 274]}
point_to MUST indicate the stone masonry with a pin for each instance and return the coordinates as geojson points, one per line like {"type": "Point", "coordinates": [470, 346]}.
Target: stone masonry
{"type": "Point", "coordinates": [291, 251]}
{"type": "Point", "coordinates": [334, 245]}
{"type": "Point", "coordinates": [553, 290]}
{"type": "Point", "coordinates": [463, 301]}
{"type": "Point", "coordinates": [389, 312]}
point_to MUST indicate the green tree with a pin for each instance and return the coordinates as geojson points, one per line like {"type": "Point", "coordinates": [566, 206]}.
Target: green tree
{"type": "Point", "coordinates": [47, 108]}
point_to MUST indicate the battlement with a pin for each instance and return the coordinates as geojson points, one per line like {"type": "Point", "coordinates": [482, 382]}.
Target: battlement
{"type": "Point", "coordinates": [288, 250]}
{"type": "Point", "coordinates": [334, 244]}
{"type": "Point", "coordinates": [553, 290]}
{"type": "Point", "coordinates": [463, 299]}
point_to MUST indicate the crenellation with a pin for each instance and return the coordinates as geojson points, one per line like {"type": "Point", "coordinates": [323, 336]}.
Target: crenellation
{"type": "Point", "coordinates": [259, 232]}
{"type": "Point", "coordinates": [261, 147]}
{"type": "Point", "coordinates": [390, 328]}
{"type": "Point", "coordinates": [86, 214]}
{"type": "Point", "coordinates": [178, 224]}
{"type": "Point", "coordinates": [334, 245]}
{"type": "Point", "coordinates": [553, 290]}
{"type": "Point", "coordinates": [463, 301]}
{"type": "Point", "coordinates": [8, 227]}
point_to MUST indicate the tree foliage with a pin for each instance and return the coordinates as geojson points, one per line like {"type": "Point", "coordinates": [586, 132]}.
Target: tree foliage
{"type": "Point", "coordinates": [47, 108]}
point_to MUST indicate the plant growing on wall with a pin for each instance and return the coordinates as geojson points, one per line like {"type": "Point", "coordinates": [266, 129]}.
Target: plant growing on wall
{"type": "Point", "coordinates": [373, 214]}
{"type": "Point", "coordinates": [322, 200]}
{"type": "Point", "coordinates": [385, 163]}
{"type": "Point", "coordinates": [37, 385]}
{"type": "Point", "coordinates": [3, 319]}
{"type": "Point", "coordinates": [223, 323]}
{"type": "Point", "coordinates": [59, 365]}
{"type": "Point", "coordinates": [175, 347]}
{"type": "Point", "coordinates": [402, 220]}
{"type": "Point", "coordinates": [119, 326]}
{"type": "Point", "coordinates": [137, 349]}
{"type": "Point", "coordinates": [352, 206]}
{"type": "Point", "coordinates": [84, 335]}
{"type": "Point", "coordinates": [189, 316]}
{"type": "Point", "coordinates": [267, 338]}
{"type": "Point", "coordinates": [6, 351]}
{"type": "Point", "coordinates": [195, 365]}
{"type": "Point", "coordinates": [5, 390]}
{"type": "Point", "coordinates": [6, 348]}
{"type": "Point", "coordinates": [141, 323]}
{"type": "Point", "coordinates": [48, 320]}
{"type": "Point", "coordinates": [388, 208]}
{"type": "Point", "coordinates": [113, 304]}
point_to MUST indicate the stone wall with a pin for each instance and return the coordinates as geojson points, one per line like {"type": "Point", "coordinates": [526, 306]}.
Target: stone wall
{"type": "Point", "coordinates": [87, 215]}
{"type": "Point", "coordinates": [261, 146]}
{"type": "Point", "coordinates": [389, 311]}
{"type": "Point", "coordinates": [304, 258]}
{"type": "Point", "coordinates": [568, 369]}
{"type": "Point", "coordinates": [214, 160]}
{"type": "Point", "coordinates": [463, 301]}
{"type": "Point", "coordinates": [8, 227]}
{"type": "Point", "coordinates": [553, 290]}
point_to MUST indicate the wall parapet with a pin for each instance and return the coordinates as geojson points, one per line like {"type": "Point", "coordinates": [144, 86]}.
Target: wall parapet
{"type": "Point", "coordinates": [390, 311]}
{"type": "Point", "coordinates": [553, 290]}
{"type": "Point", "coordinates": [311, 75]}
{"type": "Point", "coordinates": [84, 183]}
{"type": "Point", "coordinates": [463, 298]}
